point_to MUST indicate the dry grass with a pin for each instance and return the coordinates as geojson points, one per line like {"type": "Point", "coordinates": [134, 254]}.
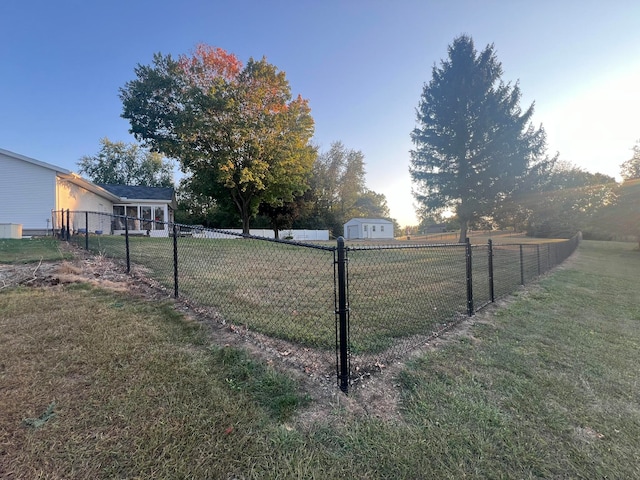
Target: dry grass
{"type": "Point", "coordinates": [133, 388]}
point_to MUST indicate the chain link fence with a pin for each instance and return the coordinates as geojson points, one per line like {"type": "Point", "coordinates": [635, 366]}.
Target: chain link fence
{"type": "Point", "coordinates": [401, 297]}
{"type": "Point", "coordinates": [280, 294]}
{"type": "Point", "coordinates": [317, 305]}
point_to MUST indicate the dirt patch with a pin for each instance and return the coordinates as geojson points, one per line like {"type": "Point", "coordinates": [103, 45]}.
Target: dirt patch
{"type": "Point", "coordinates": [588, 434]}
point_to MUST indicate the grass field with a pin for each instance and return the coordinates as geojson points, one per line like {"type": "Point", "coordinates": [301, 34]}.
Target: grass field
{"type": "Point", "coordinates": [287, 291]}
{"type": "Point", "coordinates": [28, 251]}
{"type": "Point", "coordinates": [97, 384]}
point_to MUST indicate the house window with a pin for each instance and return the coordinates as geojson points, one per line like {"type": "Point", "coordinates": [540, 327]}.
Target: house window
{"type": "Point", "coordinates": [120, 211]}
{"type": "Point", "coordinates": [132, 213]}
{"type": "Point", "coordinates": [382, 228]}
{"type": "Point", "coordinates": [152, 217]}
{"type": "Point", "coordinates": [143, 217]}
{"type": "Point", "coordinates": [145, 213]}
{"type": "Point", "coordinates": [373, 228]}
{"type": "Point", "coordinates": [365, 227]}
{"type": "Point", "coordinates": [118, 223]}
{"type": "Point", "coordinates": [158, 216]}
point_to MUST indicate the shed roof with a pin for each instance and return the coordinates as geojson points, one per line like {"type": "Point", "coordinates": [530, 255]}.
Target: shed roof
{"type": "Point", "coordinates": [370, 220]}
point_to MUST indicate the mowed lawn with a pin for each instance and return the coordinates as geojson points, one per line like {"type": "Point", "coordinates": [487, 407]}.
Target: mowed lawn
{"type": "Point", "coordinates": [27, 251]}
{"type": "Point", "coordinates": [287, 291]}
{"type": "Point", "coordinates": [96, 384]}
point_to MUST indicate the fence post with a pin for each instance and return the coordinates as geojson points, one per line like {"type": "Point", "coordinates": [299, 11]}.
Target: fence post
{"type": "Point", "coordinates": [538, 256]}
{"type": "Point", "coordinates": [343, 318]}
{"type": "Point", "coordinates": [521, 266]}
{"type": "Point", "coordinates": [470, 309]}
{"type": "Point", "coordinates": [490, 253]}
{"type": "Point", "coordinates": [86, 230]}
{"type": "Point", "coordinates": [62, 227]}
{"type": "Point", "coordinates": [175, 260]}
{"type": "Point", "coordinates": [68, 229]}
{"type": "Point", "coordinates": [126, 243]}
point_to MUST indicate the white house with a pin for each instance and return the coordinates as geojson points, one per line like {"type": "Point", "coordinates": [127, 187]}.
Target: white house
{"type": "Point", "coordinates": [368, 228]}
{"type": "Point", "coordinates": [154, 206]}
{"type": "Point", "coordinates": [30, 190]}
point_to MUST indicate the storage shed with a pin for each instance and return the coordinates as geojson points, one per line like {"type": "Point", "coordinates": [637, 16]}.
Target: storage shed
{"type": "Point", "coordinates": [368, 228]}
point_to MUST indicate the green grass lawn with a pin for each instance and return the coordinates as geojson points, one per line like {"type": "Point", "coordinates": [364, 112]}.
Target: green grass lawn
{"type": "Point", "coordinates": [287, 291]}
{"type": "Point", "coordinates": [30, 250]}
{"type": "Point", "coordinates": [547, 387]}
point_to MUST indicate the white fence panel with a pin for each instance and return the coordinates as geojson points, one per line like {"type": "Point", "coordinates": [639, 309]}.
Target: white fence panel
{"type": "Point", "coordinates": [298, 235]}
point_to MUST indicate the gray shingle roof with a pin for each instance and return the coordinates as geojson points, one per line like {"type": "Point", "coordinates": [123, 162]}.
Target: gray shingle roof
{"type": "Point", "coordinates": [139, 192]}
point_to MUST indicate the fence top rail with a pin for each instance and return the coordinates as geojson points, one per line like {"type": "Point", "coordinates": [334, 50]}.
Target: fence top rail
{"type": "Point", "coordinates": [257, 237]}
{"type": "Point", "coordinates": [404, 247]}
{"type": "Point", "coordinates": [450, 245]}
{"type": "Point", "coordinates": [560, 242]}
{"type": "Point", "coordinates": [86, 211]}
{"type": "Point", "coordinates": [498, 245]}
{"type": "Point", "coordinates": [199, 228]}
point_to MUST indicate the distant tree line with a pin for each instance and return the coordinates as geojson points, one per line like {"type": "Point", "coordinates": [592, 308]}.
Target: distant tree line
{"type": "Point", "coordinates": [243, 143]}
{"type": "Point", "coordinates": [620, 218]}
{"type": "Point", "coordinates": [336, 193]}
{"type": "Point", "coordinates": [480, 163]}
{"type": "Point", "coordinates": [121, 163]}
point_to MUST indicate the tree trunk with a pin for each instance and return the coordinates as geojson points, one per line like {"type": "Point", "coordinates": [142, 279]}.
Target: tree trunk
{"type": "Point", "coordinates": [243, 208]}
{"type": "Point", "coordinates": [463, 231]}
{"type": "Point", "coordinates": [244, 212]}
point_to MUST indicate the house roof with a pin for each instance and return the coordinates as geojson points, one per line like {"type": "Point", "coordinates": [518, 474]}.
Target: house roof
{"type": "Point", "coordinates": [23, 158]}
{"type": "Point", "coordinates": [114, 193]}
{"type": "Point", "coordinates": [87, 185]}
{"type": "Point", "coordinates": [137, 192]}
{"type": "Point", "coordinates": [62, 173]}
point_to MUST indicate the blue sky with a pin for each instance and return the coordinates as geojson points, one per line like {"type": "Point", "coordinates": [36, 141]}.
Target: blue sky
{"type": "Point", "coordinates": [361, 64]}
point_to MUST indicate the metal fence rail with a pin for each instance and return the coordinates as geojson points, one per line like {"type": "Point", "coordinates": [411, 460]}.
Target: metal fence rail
{"type": "Point", "coordinates": [320, 304]}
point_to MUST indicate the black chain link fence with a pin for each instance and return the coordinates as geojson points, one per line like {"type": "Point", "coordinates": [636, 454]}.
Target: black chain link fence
{"type": "Point", "coordinates": [317, 305]}
{"type": "Point", "coordinates": [280, 294]}
{"type": "Point", "coordinates": [401, 297]}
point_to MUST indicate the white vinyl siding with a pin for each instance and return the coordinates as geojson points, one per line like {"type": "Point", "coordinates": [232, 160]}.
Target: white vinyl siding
{"type": "Point", "coordinates": [27, 193]}
{"type": "Point", "coordinates": [77, 199]}
{"type": "Point", "coordinates": [30, 190]}
{"type": "Point", "coordinates": [368, 228]}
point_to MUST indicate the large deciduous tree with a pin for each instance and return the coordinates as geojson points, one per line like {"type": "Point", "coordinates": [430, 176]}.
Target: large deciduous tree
{"type": "Point", "coordinates": [127, 164]}
{"type": "Point", "coordinates": [339, 191]}
{"type": "Point", "coordinates": [630, 169]}
{"type": "Point", "coordinates": [235, 128]}
{"type": "Point", "coordinates": [473, 143]}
